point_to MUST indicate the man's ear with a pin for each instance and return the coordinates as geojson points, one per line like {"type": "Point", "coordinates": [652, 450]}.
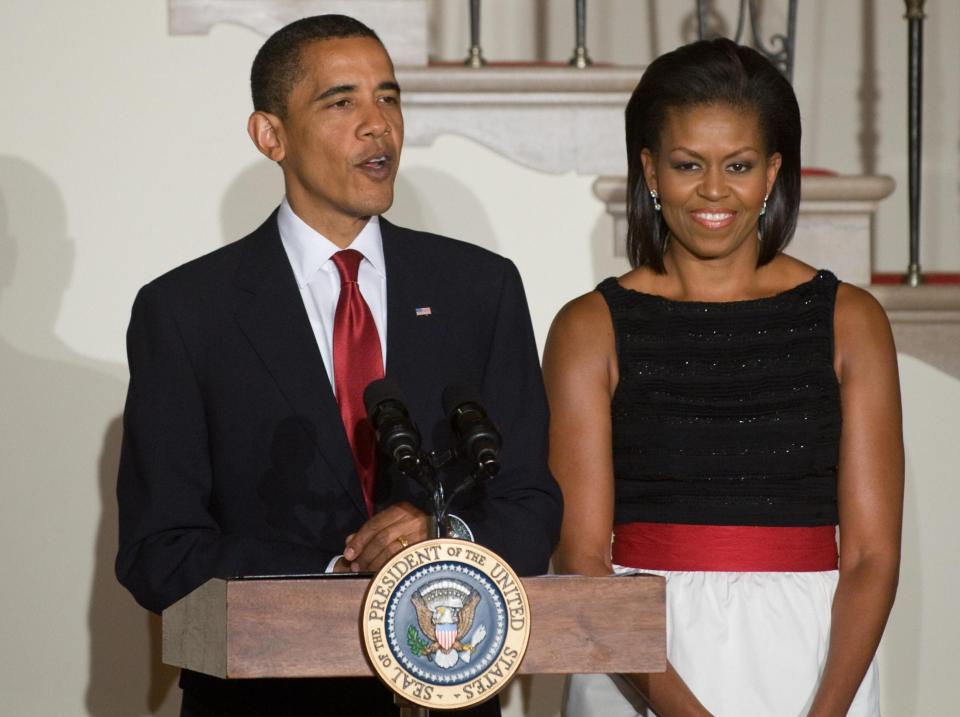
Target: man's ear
{"type": "Point", "coordinates": [265, 130]}
{"type": "Point", "coordinates": [649, 163]}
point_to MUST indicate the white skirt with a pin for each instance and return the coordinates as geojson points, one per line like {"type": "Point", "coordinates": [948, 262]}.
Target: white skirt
{"type": "Point", "coordinates": [747, 644]}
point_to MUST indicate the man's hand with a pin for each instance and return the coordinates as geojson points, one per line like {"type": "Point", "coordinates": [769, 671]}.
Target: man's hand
{"type": "Point", "coordinates": [385, 535]}
{"type": "Point", "coordinates": [341, 566]}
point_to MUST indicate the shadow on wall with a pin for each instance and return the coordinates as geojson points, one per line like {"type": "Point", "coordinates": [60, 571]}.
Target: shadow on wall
{"type": "Point", "coordinates": [127, 676]}
{"type": "Point", "coordinates": [59, 439]}
{"type": "Point", "coordinates": [250, 199]}
{"type": "Point", "coordinates": [434, 201]}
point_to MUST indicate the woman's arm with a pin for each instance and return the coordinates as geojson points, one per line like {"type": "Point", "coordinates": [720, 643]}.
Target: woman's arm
{"type": "Point", "coordinates": [869, 495]}
{"type": "Point", "coordinates": [580, 373]}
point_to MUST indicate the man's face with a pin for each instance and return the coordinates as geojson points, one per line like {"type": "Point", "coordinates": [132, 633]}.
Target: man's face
{"type": "Point", "coordinates": [340, 141]}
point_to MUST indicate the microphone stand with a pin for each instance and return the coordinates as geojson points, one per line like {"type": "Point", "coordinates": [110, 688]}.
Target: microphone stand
{"type": "Point", "coordinates": [408, 709]}
{"type": "Point", "coordinates": [424, 471]}
{"type": "Point", "coordinates": [440, 510]}
{"type": "Point", "coordinates": [441, 501]}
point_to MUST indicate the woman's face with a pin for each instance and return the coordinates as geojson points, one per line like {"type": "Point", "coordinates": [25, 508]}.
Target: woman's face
{"type": "Point", "coordinates": [712, 174]}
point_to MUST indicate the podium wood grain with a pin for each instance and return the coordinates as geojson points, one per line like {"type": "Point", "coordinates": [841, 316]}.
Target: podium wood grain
{"type": "Point", "coordinates": [310, 627]}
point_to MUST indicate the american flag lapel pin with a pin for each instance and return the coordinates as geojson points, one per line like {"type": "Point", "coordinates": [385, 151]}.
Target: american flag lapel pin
{"type": "Point", "coordinates": [423, 311]}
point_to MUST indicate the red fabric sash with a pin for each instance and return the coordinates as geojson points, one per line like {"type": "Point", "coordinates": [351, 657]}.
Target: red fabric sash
{"type": "Point", "coordinates": [734, 548]}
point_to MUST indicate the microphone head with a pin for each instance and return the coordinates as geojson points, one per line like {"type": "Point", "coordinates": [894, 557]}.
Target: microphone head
{"type": "Point", "coordinates": [457, 394]}
{"type": "Point", "coordinates": [378, 391]}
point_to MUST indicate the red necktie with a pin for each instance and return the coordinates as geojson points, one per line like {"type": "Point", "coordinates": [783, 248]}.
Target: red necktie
{"type": "Point", "coordinates": [356, 362]}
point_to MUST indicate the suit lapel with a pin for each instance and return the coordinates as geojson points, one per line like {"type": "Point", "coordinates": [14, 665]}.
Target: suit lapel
{"type": "Point", "coordinates": [271, 314]}
{"type": "Point", "coordinates": [404, 291]}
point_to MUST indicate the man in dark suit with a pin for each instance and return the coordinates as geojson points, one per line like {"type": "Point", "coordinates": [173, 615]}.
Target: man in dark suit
{"type": "Point", "coordinates": [235, 456]}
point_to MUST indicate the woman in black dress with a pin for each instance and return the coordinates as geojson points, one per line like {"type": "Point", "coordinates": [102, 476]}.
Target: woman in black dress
{"type": "Point", "coordinates": [722, 407]}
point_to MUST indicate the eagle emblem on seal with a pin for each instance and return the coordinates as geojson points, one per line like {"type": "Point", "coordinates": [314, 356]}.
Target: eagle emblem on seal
{"type": "Point", "coordinates": [445, 612]}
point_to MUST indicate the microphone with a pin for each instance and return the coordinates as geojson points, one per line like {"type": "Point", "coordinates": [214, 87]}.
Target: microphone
{"type": "Point", "coordinates": [478, 439]}
{"type": "Point", "coordinates": [397, 435]}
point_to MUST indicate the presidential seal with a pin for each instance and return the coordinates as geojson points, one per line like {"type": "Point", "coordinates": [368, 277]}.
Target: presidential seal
{"type": "Point", "coordinates": [445, 623]}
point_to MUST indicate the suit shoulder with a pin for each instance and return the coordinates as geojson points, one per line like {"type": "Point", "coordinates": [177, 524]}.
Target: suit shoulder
{"type": "Point", "coordinates": [439, 245]}
{"type": "Point", "coordinates": [442, 252]}
{"type": "Point", "coordinates": [209, 272]}
{"type": "Point", "coordinates": [202, 267]}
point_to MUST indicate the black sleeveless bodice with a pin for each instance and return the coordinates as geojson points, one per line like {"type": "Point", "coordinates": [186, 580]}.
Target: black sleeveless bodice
{"type": "Point", "coordinates": [726, 413]}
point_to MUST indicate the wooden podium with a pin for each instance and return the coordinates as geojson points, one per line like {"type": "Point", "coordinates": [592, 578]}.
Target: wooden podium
{"type": "Point", "coordinates": [310, 627]}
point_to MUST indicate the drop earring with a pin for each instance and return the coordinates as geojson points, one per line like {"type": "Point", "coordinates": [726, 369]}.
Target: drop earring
{"type": "Point", "coordinates": [763, 209]}
{"type": "Point", "coordinates": [656, 200]}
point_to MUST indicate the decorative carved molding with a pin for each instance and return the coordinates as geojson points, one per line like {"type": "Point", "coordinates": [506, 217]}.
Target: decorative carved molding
{"type": "Point", "coordinates": [553, 119]}
{"type": "Point", "coordinates": [401, 24]}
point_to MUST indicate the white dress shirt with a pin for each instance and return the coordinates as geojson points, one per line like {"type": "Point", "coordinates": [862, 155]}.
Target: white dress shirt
{"type": "Point", "coordinates": [310, 255]}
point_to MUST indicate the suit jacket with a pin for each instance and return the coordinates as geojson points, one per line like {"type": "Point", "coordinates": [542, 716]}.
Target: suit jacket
{"type": "Point", "coordinates": [235, 460]}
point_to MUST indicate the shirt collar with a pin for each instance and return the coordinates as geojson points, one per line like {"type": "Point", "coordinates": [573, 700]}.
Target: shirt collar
{"type": "Point", "coordinates": [309, 251]}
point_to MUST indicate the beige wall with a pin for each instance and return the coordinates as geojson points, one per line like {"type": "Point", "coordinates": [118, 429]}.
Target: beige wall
{"type": "Point", "coordinates": [123, 153]}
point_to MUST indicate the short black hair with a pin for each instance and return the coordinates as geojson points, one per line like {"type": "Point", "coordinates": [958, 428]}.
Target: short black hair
{"type": "Point", "coordinates": [703, 73]}
{"type": "Point", "coordinates": [277, 68]}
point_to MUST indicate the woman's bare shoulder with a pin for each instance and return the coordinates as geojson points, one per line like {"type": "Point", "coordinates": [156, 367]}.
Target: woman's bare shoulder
{"type": "Point", "coordinates": [859, 308]}
{"type": "Point", "coordinates": [582, 320]}
{"type": "Point", "coordinates": [861, 329]}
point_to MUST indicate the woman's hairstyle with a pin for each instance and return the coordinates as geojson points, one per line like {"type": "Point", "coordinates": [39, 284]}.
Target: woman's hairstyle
{"type": "Point", "coordinates": [712, 72]}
